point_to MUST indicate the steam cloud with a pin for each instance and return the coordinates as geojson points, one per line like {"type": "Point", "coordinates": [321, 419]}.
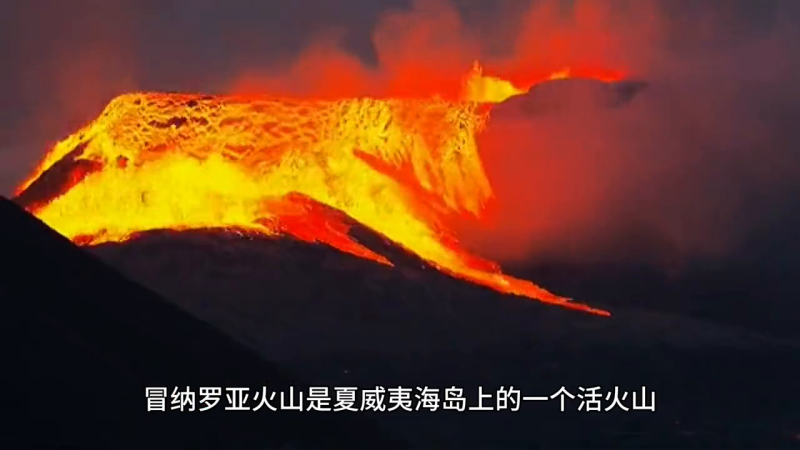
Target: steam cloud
{"type": "Point", "coordinates": [684, 170]}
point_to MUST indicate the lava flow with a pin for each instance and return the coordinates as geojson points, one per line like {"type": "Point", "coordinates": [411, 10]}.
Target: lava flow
{"type": "Point", "coordinates": [277, 165]}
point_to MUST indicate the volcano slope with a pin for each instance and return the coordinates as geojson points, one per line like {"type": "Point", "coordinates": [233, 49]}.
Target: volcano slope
{"type": "Point", "coordinates": [82, 343]}
{"type": "Point", "coordinates": [344, 321]}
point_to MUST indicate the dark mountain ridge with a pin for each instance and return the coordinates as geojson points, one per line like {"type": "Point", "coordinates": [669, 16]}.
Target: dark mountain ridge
{"type": "Point", "coordinates": [345, 321]}
{"type": "Point", "coordinates": [337, 320]}
{"type": "Point", "coordinates": [83, 343]}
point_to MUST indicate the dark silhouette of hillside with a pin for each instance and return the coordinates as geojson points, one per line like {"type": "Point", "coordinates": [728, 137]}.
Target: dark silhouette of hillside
{"type": "Point", "coordinates": [82, 342]}
{"type": "Point", "coordinates": [343, 321]}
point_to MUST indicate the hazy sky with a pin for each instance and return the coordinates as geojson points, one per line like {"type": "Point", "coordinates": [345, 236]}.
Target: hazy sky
{"type": "Point", "coordinates": [63, 60]}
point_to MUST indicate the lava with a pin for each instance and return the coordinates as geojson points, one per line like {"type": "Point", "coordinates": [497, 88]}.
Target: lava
{"type": "Point", "coordinates": [281, 165]}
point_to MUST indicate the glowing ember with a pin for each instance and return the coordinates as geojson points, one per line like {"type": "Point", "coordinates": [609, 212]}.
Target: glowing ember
{"type": "Point", "coordinates": [594, 74]}
{"type": "Point", "coordinates": [487, 89]}
{"type": "Point", "coordinates": [561, 74]}
{"type": "Point", "coordinates": [154, 161]}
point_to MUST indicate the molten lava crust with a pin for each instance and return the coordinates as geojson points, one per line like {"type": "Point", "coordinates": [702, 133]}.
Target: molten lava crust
{"type": "Point", "coordinates": [281, 166]}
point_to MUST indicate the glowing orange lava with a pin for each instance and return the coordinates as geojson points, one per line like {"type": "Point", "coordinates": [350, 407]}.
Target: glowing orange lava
{"type": "Point", "coordinates": [177, 161]}
{"type": "Point", "coordinates": [601, 75]}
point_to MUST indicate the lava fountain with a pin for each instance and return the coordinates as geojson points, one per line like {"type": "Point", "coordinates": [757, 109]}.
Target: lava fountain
{"type": "Point", "coordinates": [180, 161]}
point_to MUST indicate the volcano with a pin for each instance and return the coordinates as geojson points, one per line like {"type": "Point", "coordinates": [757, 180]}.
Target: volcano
{"type": "Point", "coordinates": [315, 233]}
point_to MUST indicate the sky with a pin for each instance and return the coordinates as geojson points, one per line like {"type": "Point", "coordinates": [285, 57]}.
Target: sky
{"type": "Point", "coordinates": [725, 67]}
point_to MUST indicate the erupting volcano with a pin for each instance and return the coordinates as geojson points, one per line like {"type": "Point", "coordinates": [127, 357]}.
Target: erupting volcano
{"type": "Point", "coordinates": [283, 166]}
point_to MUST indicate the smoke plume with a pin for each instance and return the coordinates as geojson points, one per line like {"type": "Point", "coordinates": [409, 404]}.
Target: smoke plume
{"type": "Point", "coordinates": [687, 169]}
